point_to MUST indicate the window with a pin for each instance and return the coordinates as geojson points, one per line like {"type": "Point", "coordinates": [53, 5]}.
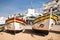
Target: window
{"type": "Point", "coordinates": [54, 9]}
{"type": "Point", "coordinates": [57, 0]}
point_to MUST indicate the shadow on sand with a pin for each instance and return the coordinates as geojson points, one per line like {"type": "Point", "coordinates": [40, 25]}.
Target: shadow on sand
{"type": "Point", "coordinates": [27, 31]}
{"type": "Point", "coordinates": [12, 32]}
{"type": "Point", "coordinates": [57, 32]}
{"type": "Point", "coordinates": [32, 32]}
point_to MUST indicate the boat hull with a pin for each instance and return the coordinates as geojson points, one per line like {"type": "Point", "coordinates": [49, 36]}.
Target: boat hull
{"type": "Point", "coordinates": [44, 23]}
{"type": "Point", "coordinates": [14, 26]}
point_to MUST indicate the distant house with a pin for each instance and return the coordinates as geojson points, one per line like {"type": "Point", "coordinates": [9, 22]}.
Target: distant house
{"type": "Point", "coordinates": [2, 20]}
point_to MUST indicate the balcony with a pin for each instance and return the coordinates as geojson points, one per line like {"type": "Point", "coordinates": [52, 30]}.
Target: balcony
{"type": "Point", "coordinates": [53, 2]}
{"type": "Point", "coordinates": [58, 3]}
{"type": "Point", "coordinates": [45, 12]}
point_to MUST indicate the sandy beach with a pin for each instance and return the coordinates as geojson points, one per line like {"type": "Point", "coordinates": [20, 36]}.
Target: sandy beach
{"type": "Point", "coordinates": [30, 35]}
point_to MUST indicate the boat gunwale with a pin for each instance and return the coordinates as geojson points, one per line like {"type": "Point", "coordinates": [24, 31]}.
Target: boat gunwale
{"type": "Point", "coordinates": [45, 18]}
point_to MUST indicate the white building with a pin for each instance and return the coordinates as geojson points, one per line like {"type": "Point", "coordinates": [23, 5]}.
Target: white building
{"type": "Point", "coordinates": [31, 15]}
{"type": "Point", "coordinates": [2, 20]}
{"type": "Point", "coordinates": [55, 5]}
{"type": "Point", "coordinates": [32, 12]}
{"type": "Point", "coordinates": [52, 3]}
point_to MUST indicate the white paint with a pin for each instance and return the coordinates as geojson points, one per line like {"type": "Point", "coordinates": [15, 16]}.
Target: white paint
{"type": "Point", "coordinates": [30, 12]}
{"type": "Point", "coordinates": [2, 20]}
{"type": "Point", "coordinates": [18, 26]}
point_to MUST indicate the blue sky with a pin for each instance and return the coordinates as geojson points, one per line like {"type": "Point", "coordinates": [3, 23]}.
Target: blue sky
{"type": "Point", "coordinates": [16, 6]}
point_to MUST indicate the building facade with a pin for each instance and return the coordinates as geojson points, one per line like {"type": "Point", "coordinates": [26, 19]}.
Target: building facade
{"type": "Point", "coordinates": [55, 5]}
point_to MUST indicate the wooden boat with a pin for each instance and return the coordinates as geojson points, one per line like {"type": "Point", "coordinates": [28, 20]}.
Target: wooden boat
{"type": "Point", "coordinates": [44, 23]}
{"type": "Point", "coordinates": [15, 24]}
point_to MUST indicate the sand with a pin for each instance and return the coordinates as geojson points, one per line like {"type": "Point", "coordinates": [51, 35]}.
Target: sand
{"type": "Point", "coordinates": [30, 35]}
